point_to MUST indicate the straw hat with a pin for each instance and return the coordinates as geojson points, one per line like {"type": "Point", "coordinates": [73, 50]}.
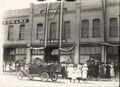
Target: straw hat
{"type": "Point", "coordinates": [85, 65]}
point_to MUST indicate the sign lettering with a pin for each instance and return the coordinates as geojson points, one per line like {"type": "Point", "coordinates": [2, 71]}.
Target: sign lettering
{"type": "Point", "coordinates": [16, 21]}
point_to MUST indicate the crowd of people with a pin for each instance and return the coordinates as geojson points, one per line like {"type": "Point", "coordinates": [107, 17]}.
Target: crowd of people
{"type": "Point", "coordinates": [81, 72]}
{"type": "Point", "coordinates": [90, 70]}
{"type": "Point", "coordinates": [12, 66]}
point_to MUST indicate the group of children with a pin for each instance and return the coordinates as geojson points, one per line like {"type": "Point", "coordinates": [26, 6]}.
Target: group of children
{"type": "Point", "coordinates": [77, 72]}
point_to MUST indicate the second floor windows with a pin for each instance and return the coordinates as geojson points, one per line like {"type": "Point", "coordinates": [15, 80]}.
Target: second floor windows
{"type": "Point", "coordinates": [22, 32]}
{"type": "Point", "coordinates": [39, 31]}
{"type": "Point", "coordinates": [113, 27]}
{"type": "Point", "coordinates": [53, 30]}
{"type": "Point", "coordinates": [10, 32]}
{"type": "Point", "coordinates": [85, 29]}
{"type": "Point", "coordinates": [96, 28]}
{"type": "Point", "coordinates": [66, 30]}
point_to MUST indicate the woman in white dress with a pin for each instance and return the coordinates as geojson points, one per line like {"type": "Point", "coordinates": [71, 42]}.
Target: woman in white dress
{"type": "Point", "coordinates": [79, 72]}
{"type": "Point", "coordinates": [112, 73]}
{"type": "Point", "coordinates": [70, 71]}
{"type": "Point", "coordinates": [84, 72]}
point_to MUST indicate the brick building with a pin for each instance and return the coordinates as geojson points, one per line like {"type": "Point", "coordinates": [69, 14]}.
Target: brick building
{"type": "Point", "coordinates": [90, 30]}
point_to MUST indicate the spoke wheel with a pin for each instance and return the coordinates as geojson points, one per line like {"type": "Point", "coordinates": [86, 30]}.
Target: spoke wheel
{"type": "Point", "coordinates": [20, 75]}
{"type": "Point", "coordinates": [54, 77]}
{"type": "Point", "coordinates": [44, 76]}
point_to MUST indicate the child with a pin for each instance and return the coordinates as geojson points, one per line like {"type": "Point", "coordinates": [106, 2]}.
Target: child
{"type": "Point", "coordinates": [79, 72]}
{"type": "Point", "coordinates": [70, 71]}
{"type": "Point", "coordinates": [84, 72]}
{"type": "Point", "coordinates": [74, 73]}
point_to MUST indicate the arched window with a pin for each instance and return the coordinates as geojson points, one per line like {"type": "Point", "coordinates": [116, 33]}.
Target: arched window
{"type": "Point", "coordinates": [66, 30]}
{"type": "Point", "coordinates": [96, 28]}
{"type": "Point", "coordinates": [85, 29]}
{"type": "Point", "coordinates": [53, 30]}
{"type": "Point", "coordinates": [22, 32]}
{"type": "Point", "coordinates": [39, 33]}
{"type": "Point", "coordinates": [113, 27]}
{"type": "Point", "coordinates": [10, 32]}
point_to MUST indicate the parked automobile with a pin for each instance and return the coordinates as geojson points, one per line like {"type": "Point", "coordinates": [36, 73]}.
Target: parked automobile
{"type": "Point", "coordinates": [39, 69]}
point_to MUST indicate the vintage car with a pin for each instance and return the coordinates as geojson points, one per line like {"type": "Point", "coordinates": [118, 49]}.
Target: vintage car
{"type": "Point", "coordinates": [39, 69]}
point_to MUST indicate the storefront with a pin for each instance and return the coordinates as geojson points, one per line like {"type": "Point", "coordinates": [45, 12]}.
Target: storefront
{"type": "Point", "coordinates": [87, 52]}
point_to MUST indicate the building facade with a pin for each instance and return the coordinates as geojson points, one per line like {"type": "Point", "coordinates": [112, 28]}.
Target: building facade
{"type": "Point", "coordinates": [90, 30]}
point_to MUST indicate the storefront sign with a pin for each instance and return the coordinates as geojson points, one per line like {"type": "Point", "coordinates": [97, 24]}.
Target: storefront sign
{"type": "Point", "coordinates": [52, 41]}
{"type": "Point", "coordinates": [16, 21]}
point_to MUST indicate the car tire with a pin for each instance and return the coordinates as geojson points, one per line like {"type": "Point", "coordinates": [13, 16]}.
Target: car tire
{"type": "Point", "coordinates": [44, 76]}
{"type": "Point", "coordinates": [20, 75]}
{"type": "Point", "coordinates": [54, 77]}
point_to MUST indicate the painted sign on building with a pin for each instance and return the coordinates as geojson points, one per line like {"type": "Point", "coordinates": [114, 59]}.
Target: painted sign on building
{"type": "Point", "coordinates": [16, 21]}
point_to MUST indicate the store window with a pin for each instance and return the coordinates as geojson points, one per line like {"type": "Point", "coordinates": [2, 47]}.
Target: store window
{"type": "Point", "coordinates": [53, 30]}
{"type": "Point", "coordinates": [112, 50]}
{"type": "Point", "coordinates": [90, 50]}
{"type": "Point", "coordinates": [10, 32]}
{"type": "Point", "coordinates": [39, 33]}
{"type": "Point", "coordinates": [66, 30]}
{"type": "Point", "coordinates": [96, 28]}
{"type": "Point", "coordinates": [85, 29]}
{"type": "Point", "coordinates": [21, 51]}
{"type": "Point", "coordinates": [22, 32]}
{"type": "Point", "coordinates": [113, 27]}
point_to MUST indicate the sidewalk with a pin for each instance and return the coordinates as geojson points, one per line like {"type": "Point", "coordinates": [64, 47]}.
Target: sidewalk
{"type": "Point", "coordinates": [60, 77]}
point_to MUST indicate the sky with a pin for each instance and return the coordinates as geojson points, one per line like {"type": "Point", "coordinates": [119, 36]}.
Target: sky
{"type": "Point", "coordinates": [18, 4]}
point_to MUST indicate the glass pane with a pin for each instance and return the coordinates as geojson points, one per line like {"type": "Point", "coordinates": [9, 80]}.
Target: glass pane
{"type": "Point", "coordinates": [96, 28]}
{"type": "Point", "coordinates": [113, 27]}
{"type": "Point", "coordinates": [67, 29]}
{"type": "Point", "coordinates": [53, 30]}
{"type": "Point", "coordinates": [85, 29]}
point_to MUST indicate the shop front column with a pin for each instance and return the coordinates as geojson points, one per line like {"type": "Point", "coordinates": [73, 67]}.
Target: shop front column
{"type": "Point", "coordinates": [77, 34]}
{"type": "Point", "coordinates": [76, 54]}
{"type": "Point", "coordinates": [103, 57]}
{"type": "Point", "coordinates": [28, 56]}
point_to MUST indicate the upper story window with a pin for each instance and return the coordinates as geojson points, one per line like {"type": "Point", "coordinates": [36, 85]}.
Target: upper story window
{"type": "Point", "coordinates": [10, 32]}
{"type": "Point", "coordinates": [85, 29]}
{"type": "Point", "coordinates": [113, 27]}
{"type": "Point", "coordinates": [66, 30]}
{"type": "Point", "coordinates": [53, 30]}
{"type": "Point", "coordinates": [96, 28]}
{"type": "Point", "coordinates": [22, 32]}
{"type": "Point", "coordinates": [39, 33]}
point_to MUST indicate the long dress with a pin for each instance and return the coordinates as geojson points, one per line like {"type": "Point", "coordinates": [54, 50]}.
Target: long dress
{"type": "Point", "coordinates": [84, 72]}
{"type": "Point", "coordinates": [70, 72]}
{"type": "Point", "coordinates": [78, 73]}
{"type": "Point", "coordinates": [112, 73]}
{"type": "Point", "coordinates": [108, 71]}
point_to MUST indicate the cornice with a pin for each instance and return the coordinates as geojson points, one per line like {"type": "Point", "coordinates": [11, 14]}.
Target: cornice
{"type": "Point", "coordinates": [11, 17]}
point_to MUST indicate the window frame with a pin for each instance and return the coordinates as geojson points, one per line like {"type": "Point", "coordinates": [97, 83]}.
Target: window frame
{"type": "Point", "coordinates": [52, 35]}
{"type": "Point", "coordinates": [94, 35]}
{"type": "Point", "coordinates": [10, 32]}
{"type": "Point", "coordinates": [83, 29]}
{"type": "Point", "coordinates": [22, 32]}
{"type": "Point", "coordinates": [113, 27]}
{"type": "Point", "coordinates": [40, 32]}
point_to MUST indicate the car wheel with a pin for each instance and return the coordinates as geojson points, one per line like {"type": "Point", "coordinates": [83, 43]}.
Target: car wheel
{"type": "Point", "coordinates": [44, 76]}
{"type": "Point", "coordinates": [20, 75]}
{"type": "Point", "coordinates": [54, 77]}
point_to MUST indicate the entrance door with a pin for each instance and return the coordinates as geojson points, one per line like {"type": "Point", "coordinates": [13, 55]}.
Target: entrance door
{"type": "Point", "coordinates": [51, 54]}
{"type": "Point", "coordinates": [9, 54]}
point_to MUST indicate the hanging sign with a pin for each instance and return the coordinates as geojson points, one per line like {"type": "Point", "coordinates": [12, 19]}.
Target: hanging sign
{"type": "Point", "coordinates": [16, 21]}
{"type": "Point", "coordinates": [52, 41]}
